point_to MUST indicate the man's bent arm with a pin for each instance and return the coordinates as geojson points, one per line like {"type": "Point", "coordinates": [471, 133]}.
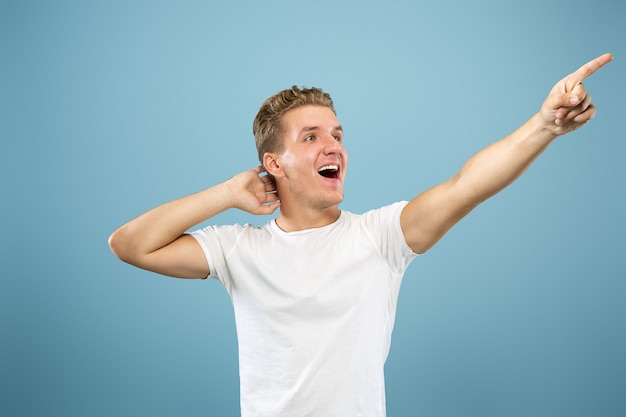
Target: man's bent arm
{"type": "Point", "coordinates": [156, 240]}
{"type": "Point", "coordinates": [431, 214]}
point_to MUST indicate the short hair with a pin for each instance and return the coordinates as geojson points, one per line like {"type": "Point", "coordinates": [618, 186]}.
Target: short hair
{"type": "Point", "coordinates": [267, 126]}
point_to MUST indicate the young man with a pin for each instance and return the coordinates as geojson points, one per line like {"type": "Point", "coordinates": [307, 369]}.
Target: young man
{"type": "Point", "coordinates": [314, 291]}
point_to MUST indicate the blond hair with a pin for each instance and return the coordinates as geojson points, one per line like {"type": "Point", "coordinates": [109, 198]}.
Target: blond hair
{"type": "Point", "coordinates": [267, 126]}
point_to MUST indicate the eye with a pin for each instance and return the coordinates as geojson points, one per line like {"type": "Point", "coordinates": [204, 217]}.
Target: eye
{"type": "Point", "coordinates": [309, 138]}
{"type": "Point", "coordinates": [337, 138]}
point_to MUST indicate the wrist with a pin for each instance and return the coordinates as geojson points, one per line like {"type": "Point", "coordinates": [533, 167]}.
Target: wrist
{"type": "Point", "coordinates": [226, 194]}
{"type": "Point", "coordinates": [542, 128]}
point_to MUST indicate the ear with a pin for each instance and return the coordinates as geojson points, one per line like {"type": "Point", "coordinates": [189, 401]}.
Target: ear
{"type": "Point", "coordinates": [271, 163]}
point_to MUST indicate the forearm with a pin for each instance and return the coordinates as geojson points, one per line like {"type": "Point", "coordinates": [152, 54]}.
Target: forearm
{"type": "Point", "coordinates": [162, 225]}
{"type": "Point", "coordinates": [431, 214]}
{"type": "Point", "coordinates": [498, 165]}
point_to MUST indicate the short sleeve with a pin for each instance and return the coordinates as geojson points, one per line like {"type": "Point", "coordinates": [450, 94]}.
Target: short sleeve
{"type": "Point", "coordinates": [216, 243]}
{"type": "Point", "coordinates": [385, 230]}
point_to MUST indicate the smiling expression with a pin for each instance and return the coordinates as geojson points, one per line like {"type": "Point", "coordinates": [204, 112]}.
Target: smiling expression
{"type": "Point", "coordinates": [311, 167]}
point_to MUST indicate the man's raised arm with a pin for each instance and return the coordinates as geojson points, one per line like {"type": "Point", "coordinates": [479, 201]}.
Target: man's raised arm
{"type": "Point", "coordinates": [156, 240]}
{"type": "Point", "coordinates": [431, 214]}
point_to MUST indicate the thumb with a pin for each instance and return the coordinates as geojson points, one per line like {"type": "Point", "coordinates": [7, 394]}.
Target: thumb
{"type": "Point", "coordinates": [269, 208]}
{"type": "Point", "coordinates": [559, 100]}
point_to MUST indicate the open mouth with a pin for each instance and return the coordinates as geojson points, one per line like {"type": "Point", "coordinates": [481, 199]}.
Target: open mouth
{"type": "Point", "coordinates": [329, 171]}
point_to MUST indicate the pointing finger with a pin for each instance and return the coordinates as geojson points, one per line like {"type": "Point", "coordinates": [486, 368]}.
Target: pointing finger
{"type": "Point", "coordinates": [586, 70]}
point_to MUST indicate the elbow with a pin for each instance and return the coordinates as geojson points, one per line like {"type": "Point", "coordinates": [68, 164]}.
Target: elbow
{"type": "Point", "coordinates": [118, 245]}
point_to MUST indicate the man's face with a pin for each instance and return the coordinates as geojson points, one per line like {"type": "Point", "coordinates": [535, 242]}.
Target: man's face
{"type": "Point", "coordinates": [313, 160]}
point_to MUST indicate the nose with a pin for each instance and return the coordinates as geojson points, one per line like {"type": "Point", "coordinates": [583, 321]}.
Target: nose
{"type": "Point", "coordinates": [332, 145]}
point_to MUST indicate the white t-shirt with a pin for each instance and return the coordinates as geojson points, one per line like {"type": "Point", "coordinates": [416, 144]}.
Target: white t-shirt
{"type": "Point", "coordinates": [314, 311]}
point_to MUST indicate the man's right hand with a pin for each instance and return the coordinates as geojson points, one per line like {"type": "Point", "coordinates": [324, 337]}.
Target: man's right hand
{"type": "Point", "coordinates": [253, 191]}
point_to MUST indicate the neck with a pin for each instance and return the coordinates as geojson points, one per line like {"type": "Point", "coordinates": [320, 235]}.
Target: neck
{"type": "Point", "coordinates": [303, 219]}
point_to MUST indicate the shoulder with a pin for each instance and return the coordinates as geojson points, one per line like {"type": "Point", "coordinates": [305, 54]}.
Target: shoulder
{"type": "Point", "coordinates": [382, 221]}
{"type": "Point", "coordinates": [386, 213]}
{"type": "Point", "coordinates": [381, 227]}
{"type": "Point", "coordinates": [232, 232]}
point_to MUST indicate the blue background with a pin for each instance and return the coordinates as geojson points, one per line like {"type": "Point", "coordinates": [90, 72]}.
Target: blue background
{"type": "Point", "coordinates": [110, 108]}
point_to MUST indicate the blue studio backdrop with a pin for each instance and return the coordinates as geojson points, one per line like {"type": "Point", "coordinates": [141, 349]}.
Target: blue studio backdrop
{"type": "Point", "coordinates": [108, 108]}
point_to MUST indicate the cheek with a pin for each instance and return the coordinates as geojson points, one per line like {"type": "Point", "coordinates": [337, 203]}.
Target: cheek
{"type": "Point", "coordinates": [287, 160]}
{"type": "Point", "coordinates": [290, 163]}
{"type": "Point", "coordinates": [291, 160]}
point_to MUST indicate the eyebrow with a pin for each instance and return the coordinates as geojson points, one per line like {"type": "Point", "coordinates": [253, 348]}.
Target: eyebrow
{"type": "Point", "coordinates": [307, 129]}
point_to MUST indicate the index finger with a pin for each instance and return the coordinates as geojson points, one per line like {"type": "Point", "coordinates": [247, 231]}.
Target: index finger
{"type": "Point", "coordinates": [586, 70]}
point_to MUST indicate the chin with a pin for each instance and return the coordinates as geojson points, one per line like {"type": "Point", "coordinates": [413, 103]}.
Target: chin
{"type": "Point", "coordinates": [334, 201]}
